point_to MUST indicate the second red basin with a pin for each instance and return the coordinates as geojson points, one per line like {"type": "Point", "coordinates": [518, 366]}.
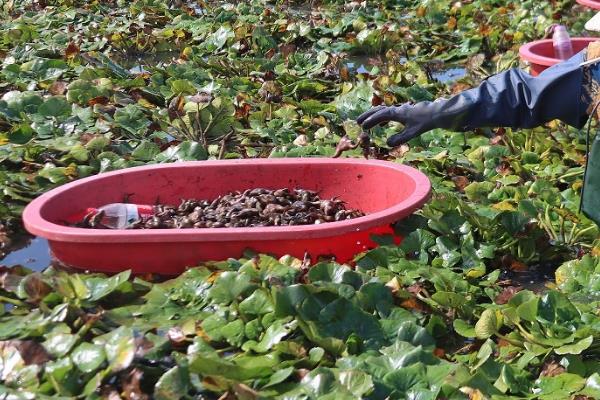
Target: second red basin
{"type": "Point", "coordinates": [540, 54]}
{"type": "Point", "coordinates": [590, 3]}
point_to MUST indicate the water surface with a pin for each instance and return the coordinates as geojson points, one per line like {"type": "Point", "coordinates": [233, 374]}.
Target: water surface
{"type": "Point", "coordinates": [35, 255]}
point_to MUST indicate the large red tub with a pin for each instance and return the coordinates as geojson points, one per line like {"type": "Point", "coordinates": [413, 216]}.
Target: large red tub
{"type": "Point", "coordinates": [540, 54]}
{"type": "Point", "coordinates": [386, 191]}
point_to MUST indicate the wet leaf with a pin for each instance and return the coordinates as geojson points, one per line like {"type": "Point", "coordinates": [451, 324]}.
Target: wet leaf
{"type": "Point", "coordinates": [175, 383]}
{"type": "Point", "coordinates": [119, 347]}
{"type": "Point", "coordinates": [88, 357]}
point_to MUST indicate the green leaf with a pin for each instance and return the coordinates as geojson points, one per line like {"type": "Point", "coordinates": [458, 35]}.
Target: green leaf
{"type": "Point", "coordinates": [81, 91]}
{"type": "Point", "coordinates": [555, 307]}
{"type": "Point", "coordinates": [336, 273]}
{"type": "Point", "coordinates": [185, 151]}
{"type": "Point", "coordinates": [575, 348]}
{"type": "Point", "coordinates": [449, 299]}
{"type": "Point", "coordinates": [560, 386]}
{"type": "Point", "coordinates": [132, 119]}
{"type": "Point", "coordinates": [516, 381]}
{"type": "Point", "coordinates": [88, 357]}
{"type": "Point", "coordinates": [233, 332]}
{"type": "Point", "coordinates": [416, 335]}
{"type": "Point", "coordinates": [119, 347]}
{"type": "Point", "coordinates": [357, 383]}
{"type": "Point", "coordinates": [356, 100]}
{"type": "Point", "coordinates": [146, 151]}
{"type": "Point", "coordinates": [100, 287]}
{"type": "Point", "coordinates": [175, 383]}
{"type": "Point", "coordinates": [406, 378]}
{"type": "Point", "coordinates": [279, 376]}
{"type": "Point", "coordinates": [181, 87]}
{"type": "Point", "coordinates": [213, 366]}
{"type": "Point", "coordinates": [218, 39]}
{"type": "Point", "coordinates": [79, 153]}
{"type": "Point", "coordinates": [487, 325]}
{"type": "Point", "coordinates": [228, 286]}
{"type": "Point", "coordinates": [21, 134]}
{"type": "Point", "coordinates": [464, 329]}
{"type": "Point", "coordinates": [526, 304]}
{"type": "Point", "coordinates": [273, 335]}
{"type": "Point", "coordinates": [478, 191]}
{"type": "Point", "coordinates": [55, 106]}
{"type": "Point", "coordinates": [258, 303]}
{"type": "Point", "coordinates": [58, 344]}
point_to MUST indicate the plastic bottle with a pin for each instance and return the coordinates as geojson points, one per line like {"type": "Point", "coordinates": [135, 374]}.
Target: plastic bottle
{"type": "Point", "coordinates": [121, 215]}
{"type": "Point", "coordinates": [562, 43]}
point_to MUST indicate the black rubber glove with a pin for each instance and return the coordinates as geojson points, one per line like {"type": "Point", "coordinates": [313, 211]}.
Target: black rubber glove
{"type": "Point", "coordinates": [511, 99]}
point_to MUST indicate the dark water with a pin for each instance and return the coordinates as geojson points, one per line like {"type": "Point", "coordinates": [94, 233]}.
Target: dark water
{"type": "Point", "coordinates": [34, 254]}
{"type": "Point", "coordinates": [538, 278]}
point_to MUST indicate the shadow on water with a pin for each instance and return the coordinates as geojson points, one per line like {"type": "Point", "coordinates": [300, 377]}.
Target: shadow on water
{"type": "Point", "coordinates": [538, 278]}
{"type": "Point", "coordinates": [32, 253]}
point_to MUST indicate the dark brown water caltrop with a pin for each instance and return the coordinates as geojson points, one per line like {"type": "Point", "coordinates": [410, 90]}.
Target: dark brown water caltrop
{"type": "Point", "coordinates": [250, 208]}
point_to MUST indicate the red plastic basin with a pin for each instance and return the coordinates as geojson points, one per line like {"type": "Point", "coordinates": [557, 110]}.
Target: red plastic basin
{"type": "Point", "coordinates": [540, 54]}
{"type": "Point", "coordinates": [385, 191]}
{"type": "Point", "coordinates": [590, 3]}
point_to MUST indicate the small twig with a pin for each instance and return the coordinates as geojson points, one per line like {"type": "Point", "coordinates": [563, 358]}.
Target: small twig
{"type": "Point", "coordinates": [199, 125]}
{"type": "Point", "coordinates": [223, 143]}
{"type": "Point", "coordinates": [209, 126]}
{"type": "Point", "coordinates": [186, 130]}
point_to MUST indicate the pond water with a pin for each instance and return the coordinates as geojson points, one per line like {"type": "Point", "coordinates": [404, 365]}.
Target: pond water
{"type": "Point", "coordinates": [449, 75]}
{"type": "Point", "coordinates": [538, 278]}
{"type": "Point", "coordinates": [35, 255]}
{"type": "Point", "coordinates": [197, 8]}
{"type": "Point", "coordinates": [360, 64]}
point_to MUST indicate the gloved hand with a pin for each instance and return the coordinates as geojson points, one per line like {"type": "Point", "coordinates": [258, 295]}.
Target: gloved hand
{"type": "Point", "coordinates": [510, 99]}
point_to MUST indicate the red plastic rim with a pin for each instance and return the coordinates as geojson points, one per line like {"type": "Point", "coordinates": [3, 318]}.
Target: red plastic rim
{"type": "Point", "coordinates": [541, 52]}
{"type": "Point", "coordinates": [590, 3]}
{"type": "Point", "coordinates": [36, 224]}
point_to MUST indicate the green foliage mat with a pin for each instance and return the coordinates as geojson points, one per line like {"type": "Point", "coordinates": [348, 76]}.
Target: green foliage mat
{"type": "Point", "coordinates": [88, 87]}
{"type": "Point", "coordinates": [267, 328]}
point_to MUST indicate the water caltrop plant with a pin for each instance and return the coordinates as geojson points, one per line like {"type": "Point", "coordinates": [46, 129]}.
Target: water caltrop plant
{"type": "Point", "coordinates": [492, 294]}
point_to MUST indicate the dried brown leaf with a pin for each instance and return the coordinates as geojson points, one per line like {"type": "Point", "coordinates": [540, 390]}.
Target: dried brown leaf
{"type": "Point", "coordinates": [461, 182]}
{"type": "Point", "coordinates": [72, 50]}
{"type": "Point", "coordinates": [507, 294]}
{"type": "Point", "coordinates": [58, 88]}
{"type": "Point", "coordinates": [552, 368]}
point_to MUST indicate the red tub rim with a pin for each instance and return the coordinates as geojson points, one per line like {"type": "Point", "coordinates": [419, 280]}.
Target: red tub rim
{"type": "Point", "coordinates": [527, 51]}
{"type": "Point", "coordinates": [37, 225]}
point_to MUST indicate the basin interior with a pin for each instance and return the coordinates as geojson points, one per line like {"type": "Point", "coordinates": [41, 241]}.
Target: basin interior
{"type": "Point", "coordinates": [368, 187]}
{"type": "Point", "coordinates": [544, 48]}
